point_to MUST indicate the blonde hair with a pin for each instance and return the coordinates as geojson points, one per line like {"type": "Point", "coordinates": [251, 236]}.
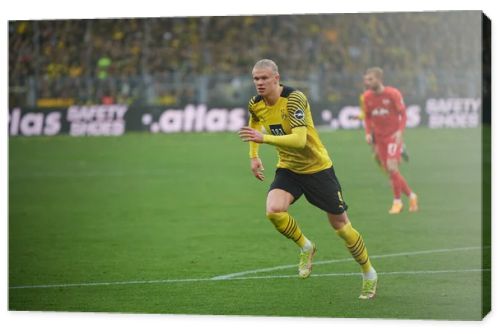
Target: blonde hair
{"type": "Point", "coordinates": [267, 63]}
{"type": "Point", "coordinates": [377, 71]}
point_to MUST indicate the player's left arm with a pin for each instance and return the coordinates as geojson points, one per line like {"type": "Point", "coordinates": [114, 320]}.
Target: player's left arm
{"type": "Point", "coordinates": [297, 139]}
{"type": "Point", "coordinates": [296, 109]}
{"type": "Point", "coordinates": [401, 109]}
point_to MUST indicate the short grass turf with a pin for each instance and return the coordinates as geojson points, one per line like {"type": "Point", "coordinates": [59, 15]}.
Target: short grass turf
{"type": "Point", "coordinates": [141, 223]}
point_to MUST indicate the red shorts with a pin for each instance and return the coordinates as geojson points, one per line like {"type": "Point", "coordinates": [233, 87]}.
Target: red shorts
{"type": "Point", "coordinates": [386, 148]}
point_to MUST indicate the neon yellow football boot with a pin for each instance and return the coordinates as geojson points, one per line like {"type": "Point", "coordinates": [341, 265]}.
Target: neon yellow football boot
{"type": "Point", "coordinates": [305, 264]}
{"type": "Point", "coordinates": [369, 289]}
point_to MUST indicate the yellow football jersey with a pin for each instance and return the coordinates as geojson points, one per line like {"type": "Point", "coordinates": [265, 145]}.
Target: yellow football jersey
{"type": "Point", "coordinates": [291, 110]}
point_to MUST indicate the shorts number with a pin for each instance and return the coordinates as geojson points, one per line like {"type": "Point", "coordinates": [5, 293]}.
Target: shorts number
{"type": "Point", "coordinates": [391, 148]}
{"type": "Point", "coordinates": [340, 197]}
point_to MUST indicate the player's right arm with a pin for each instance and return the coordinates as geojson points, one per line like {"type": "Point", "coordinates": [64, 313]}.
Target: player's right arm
{"type": "Point", "coordinates": [255, 163]}
{"type": "Point", "coordinates": [254, 123]}
{"type": "Point", "coordinates": [362, 109]}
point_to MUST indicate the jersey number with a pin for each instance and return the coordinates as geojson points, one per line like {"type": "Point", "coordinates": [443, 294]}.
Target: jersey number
{"type": "Point", "coordinates": [277, 129]}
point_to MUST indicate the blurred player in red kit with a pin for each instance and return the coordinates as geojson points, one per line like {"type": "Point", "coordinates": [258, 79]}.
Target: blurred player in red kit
{"type": "Point", "coordinates": [385, 121]}
{"type": "Point", "coordinates": [361, 116]}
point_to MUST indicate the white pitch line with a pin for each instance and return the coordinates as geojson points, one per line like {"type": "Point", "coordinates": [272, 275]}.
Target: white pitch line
{"type": "Point", "coordinates": [187, 280]}
{"type": "Point", "coordinates": [421, 272]}
{"type": "Point", "coordinates": [70, 285]}
{"type": "Point", "coordinates": [262, 270]}
{"type": "Point", "coordinates": [237, 276]}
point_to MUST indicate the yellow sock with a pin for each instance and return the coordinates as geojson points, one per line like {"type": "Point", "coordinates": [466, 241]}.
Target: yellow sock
{"type": "Point", "coordinates": [356, 246]}
{"type": "Point", "coordinates": [287, 226]}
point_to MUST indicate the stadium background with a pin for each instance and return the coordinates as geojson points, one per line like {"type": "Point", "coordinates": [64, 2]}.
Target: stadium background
{"type": "Point", "coordinates": [157, 64]}
{"type": "Point", "coordinates": [108, 77]}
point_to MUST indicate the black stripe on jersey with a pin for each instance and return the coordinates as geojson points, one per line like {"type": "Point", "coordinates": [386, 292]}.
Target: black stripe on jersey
{"type": "Point", "coordinates": [295, 123]}
{"type": "Point", "coordinates": [287, 91]}
{"type": "Point", "coordinates": [254, 117]}
{"type": "Point", "coordinates": [251, 103]}
{"type": "Point", "coordinates": [298, 98]}
{"type": "Point", "coordinates": [293, 106]}
{"type": "Point", "coordinates": [298, 126]}
{"type": "Point", "coordinates": [296, 101]}
{"type": "Point", "coordinates": [257, 98]}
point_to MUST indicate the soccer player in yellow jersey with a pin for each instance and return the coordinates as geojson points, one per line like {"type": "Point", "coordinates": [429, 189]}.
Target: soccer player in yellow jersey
{"type": "Point", "coordinates": [304, 167]}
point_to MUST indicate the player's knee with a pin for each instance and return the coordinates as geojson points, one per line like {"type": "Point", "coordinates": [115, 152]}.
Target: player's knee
{"type": "Point", "coordinates": [273, 214]}
{"type": "Point", "coordinates": [338, 221]}
{"type": "Point", "coordinates": [392, 165]}
{"type": "Point", "coordinates": [276, 207]}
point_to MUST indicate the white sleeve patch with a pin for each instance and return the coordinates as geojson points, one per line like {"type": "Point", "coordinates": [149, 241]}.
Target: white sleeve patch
{"type": "Point", "coordinates": [299, 114]}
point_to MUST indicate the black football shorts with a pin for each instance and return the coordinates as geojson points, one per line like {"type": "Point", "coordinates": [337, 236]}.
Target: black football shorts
{"type": "Point", "coordinates": [321, 189]}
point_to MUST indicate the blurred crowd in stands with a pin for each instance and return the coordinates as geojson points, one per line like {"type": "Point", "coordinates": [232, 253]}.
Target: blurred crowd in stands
{"type": "Point", "coordinates": [173, 61]}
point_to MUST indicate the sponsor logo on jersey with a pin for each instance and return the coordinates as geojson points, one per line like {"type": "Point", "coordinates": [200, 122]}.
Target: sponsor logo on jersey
{"type": "Point", "coordinates": [380, 112]}
{"type": "Point", "coordinates": [386, 101]}
{"type": "Point", "coordinates": [299, 114]}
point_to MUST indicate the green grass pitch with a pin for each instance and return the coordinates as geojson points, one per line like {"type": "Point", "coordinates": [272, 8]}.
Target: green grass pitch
{"type": "Point", "coordinates": [142, 223]}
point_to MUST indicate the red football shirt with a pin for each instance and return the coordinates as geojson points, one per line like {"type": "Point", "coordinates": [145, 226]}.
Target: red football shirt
{"type": "Point", "coordinates": [385, 112]}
